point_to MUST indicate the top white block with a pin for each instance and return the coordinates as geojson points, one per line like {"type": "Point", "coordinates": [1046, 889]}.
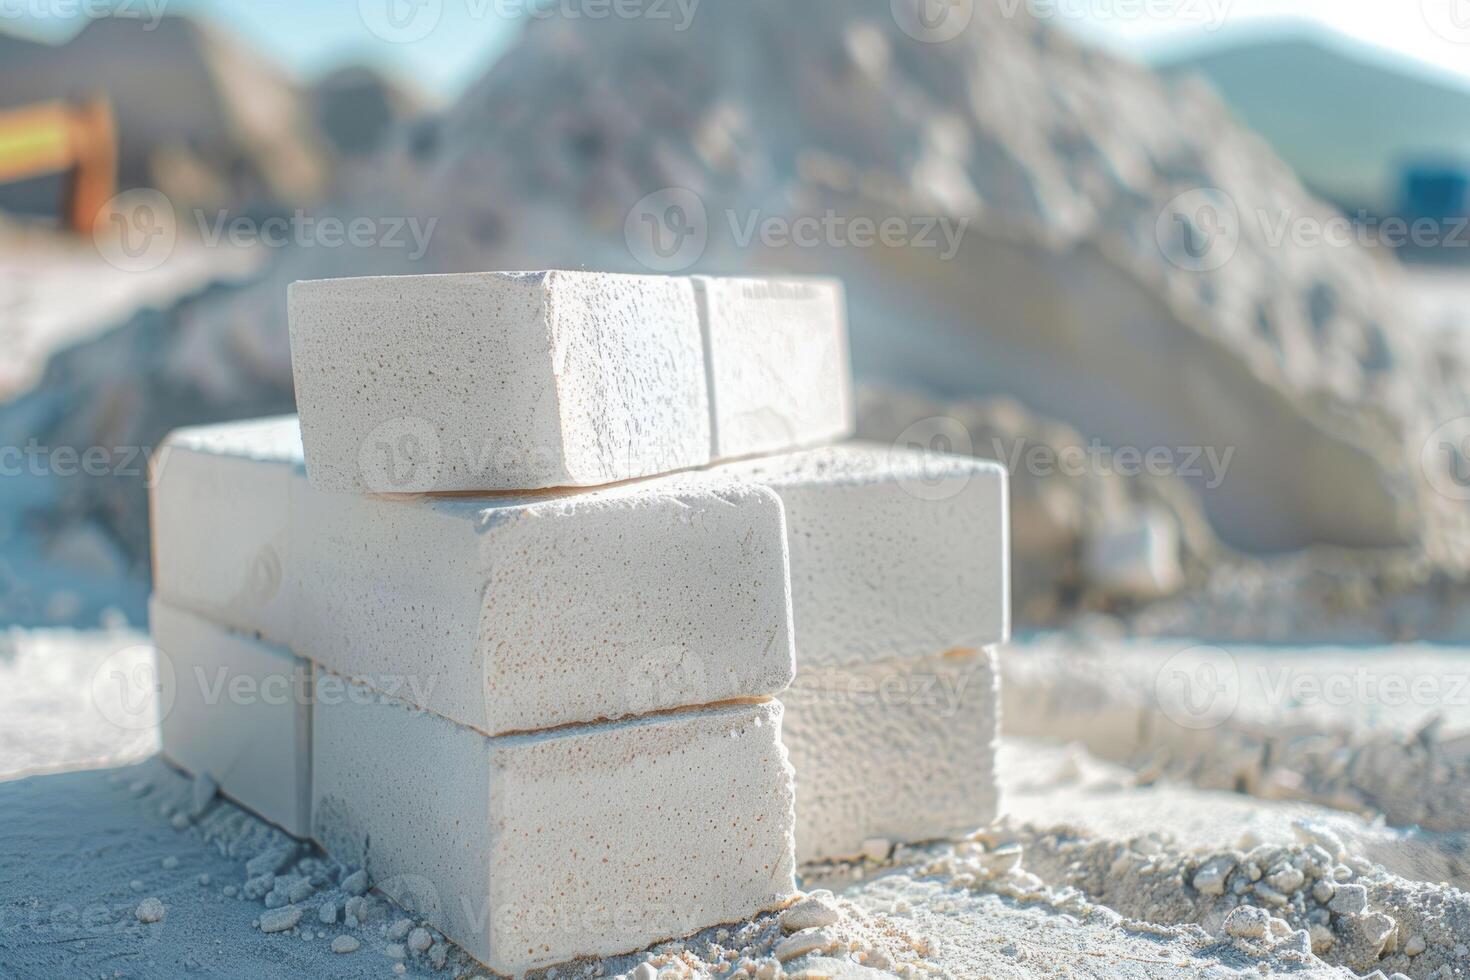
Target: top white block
{"type": "Point", "coordinates": [520, 381]}
{"type": "Point", "coordinates": [778, 364]}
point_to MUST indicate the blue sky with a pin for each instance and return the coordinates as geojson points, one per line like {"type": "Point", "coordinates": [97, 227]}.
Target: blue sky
{"type": "Point", "coordinates": [463, 36]}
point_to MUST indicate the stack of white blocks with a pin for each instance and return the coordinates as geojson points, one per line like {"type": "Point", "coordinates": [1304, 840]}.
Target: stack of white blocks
{"type": "Point", "coordinates": [551, 720]}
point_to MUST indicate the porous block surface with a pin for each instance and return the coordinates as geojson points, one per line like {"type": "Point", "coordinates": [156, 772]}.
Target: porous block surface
{"type": "Point", "coordinates": [895, 553]}
{"type": "Point", "coordinates": [497, 380]}
{"type": "Point", "coordinates": [530, 850]}
{"type": "Point", "coordinates": [779, 370]}
{"type": "Point", "coordinates": [239, 709]}
{"type": "Point", "coordinates": [221, 504]}
{"type": "Point", "coordinates": [900, 751]}
{"type": "Point", "coordinates": [507, 612]}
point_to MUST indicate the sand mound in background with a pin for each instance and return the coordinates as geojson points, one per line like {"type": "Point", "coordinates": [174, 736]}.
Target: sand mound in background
{"type": "Point", "coordinates": [1075, 287]}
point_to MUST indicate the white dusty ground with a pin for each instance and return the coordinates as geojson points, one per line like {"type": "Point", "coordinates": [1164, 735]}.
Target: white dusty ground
{"type": "Point", "coordinates": [1125, 868]}
{"type": "Point", "coordinates": [56, 291]}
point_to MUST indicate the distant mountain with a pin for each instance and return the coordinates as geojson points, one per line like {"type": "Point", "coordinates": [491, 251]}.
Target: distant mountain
{"type": "Point", "coordinates": [1347, 117]}
{"type": "Point", "coordinates": [199, 116]}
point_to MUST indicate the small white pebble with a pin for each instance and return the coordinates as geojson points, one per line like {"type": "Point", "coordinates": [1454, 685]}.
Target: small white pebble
{"type": "Point", "coordinates": [150, 910]}
{"type": "Point", "coordinates": [399, 968]}
{"type": "Point", "coordinates": [419, 940]}
{"type": "Point", "coordinates": [398, 929]}
{"type": "Point", "coordinates": [394, 951]}
{"type": "Point", "coordinates": [170, 862]}
{"type": "Point", "coordinates": [812, 912]}
{"type": "Point", "coordinates": [204, 879]}
{"type": "Point", "coordinates": [180, 821]}
{"type": "Point", "coordinates": [230, 891]}
{"type": "Point", "coordinates": [135, 885]}
{"type": "Point", "coordinates": [280, 920]}
{"type": "Point", "coordinates": [801, 943]}
{"type": "Point", "coordinates": [345, 944]}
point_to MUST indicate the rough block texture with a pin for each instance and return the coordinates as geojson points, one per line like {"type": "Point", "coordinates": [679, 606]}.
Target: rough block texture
{"type": "Point", "coordinates": [901, 751]}
{"type": "Point", "coordinates": [497, 381]}
{"type": "Point", "coordinates": [221, 504]}
{"type": "Point", "coordinates": [519, 381]}
{"type": "Point", "coordinates": [591, 840]}
{"type": "Point", "coordinates": [895, 553]}
{"type": "Point", "coordinates": [779, 374]}
{"type": "Point", "coordinates": [505, 613]}
{"type": "Point", "coordinates": [240, 711]}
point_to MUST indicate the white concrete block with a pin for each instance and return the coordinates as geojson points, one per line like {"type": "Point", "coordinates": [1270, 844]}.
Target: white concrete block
{"type": "Point", "coordinates": [895, 553]}
{"type": "Point", "coordinates": [239, 709]}
{"type": "Point", "coordinates": [512, 381]}
{"type": "Point", "coordinates": [779, 370]}
{"type": "Point", "coordinates": [584, 841]}
{"type": "Point", "coordinates": [497, 381]}
{"type": "Point", "coordinates": [505, 613]}
{"type": "Point", "coordinates": [902, 751]}
{"type": "Point", "coordinates": [220, 519]}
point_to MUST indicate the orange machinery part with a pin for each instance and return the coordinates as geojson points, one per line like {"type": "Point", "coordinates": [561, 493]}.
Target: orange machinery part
{"type": "Point", "coordinates": [79, 140]}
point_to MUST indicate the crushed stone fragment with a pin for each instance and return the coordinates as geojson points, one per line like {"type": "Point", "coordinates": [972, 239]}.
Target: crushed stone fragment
{"type": "Point", "coordinates": [812, 912]}
{"type": "Point", "coordinates": [150, 910]}
{"type": "Point", "coordinates": [280, 920]}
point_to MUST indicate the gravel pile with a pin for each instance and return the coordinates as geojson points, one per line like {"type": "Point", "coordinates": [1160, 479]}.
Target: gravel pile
{"type": "Point", "coordinates": [1312, 897]}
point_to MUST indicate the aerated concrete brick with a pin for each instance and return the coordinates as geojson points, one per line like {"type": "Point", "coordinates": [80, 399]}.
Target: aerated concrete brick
{"type": "Point", "coordinates": [779, 370]}
{"type": "Point", "coordinates": [584, 841]}
{"type": "Point", "coordinates": [900, 751]}
{"type": "Point", "coordinates": [239, 709]}
{"type": "Point", "coordinates": [505, 612]}
{"type": "Point", "coordinates": [899, 588]}
{"type": "Point", "coordinates": [515, 381]}
{"type": "Point", "coordinates": [895, 553]}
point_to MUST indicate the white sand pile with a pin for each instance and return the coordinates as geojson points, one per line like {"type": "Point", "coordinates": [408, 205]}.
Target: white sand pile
{"type": "Point", "coordinates": [1364, 730]}
{"type": "Point", "coordinates": [960, 910]}
{"type": "Point", "coordinates": [143, 871]}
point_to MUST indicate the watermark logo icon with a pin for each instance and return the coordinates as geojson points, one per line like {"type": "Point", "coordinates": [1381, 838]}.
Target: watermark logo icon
{"type": "Point", "coordinates": [1445, 458]}
{"type": "Point", "coordinates": [931, 477]}
{"type": "Point", "coordinates": [667, 231]}
{"type": "Point", "coordinates": [401, 455]}
{"type": "Point", "coordinates": [933, 21]}
{"type": "Point", "coordinates": [136, 230]}
{"type": "Point", "coordinates": [400, 21]}
{"type": "Point", "coordinates": [1449, 19]}
{"type": "Point", "coordinates": [134, 688]}
{"type": "Point", "coordinates": [1198, 688]}
{"type": "Point", "coordinates": [1199, 230]}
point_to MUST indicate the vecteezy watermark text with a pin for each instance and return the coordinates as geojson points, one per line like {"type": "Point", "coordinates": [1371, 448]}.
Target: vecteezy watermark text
{"type": "Point", "coordinates": [669, 230]}
{"type": "Point", "coordinates": [39, 460]}
{"type": "Point", "coordinates": [1206, 464]}
{"type": "Point", "coordinates": [1208, 14]}
{"type": "Point", "coordinates": [139, 230]}
{"type": "Point", "coordinates": [1201, 230]}
{"type": "Point", "coordinates": [407, 21]}
{"type": "Point", "coordinates": [309, 231]}
{"type": "Point", "coordinates": [150, 12]}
